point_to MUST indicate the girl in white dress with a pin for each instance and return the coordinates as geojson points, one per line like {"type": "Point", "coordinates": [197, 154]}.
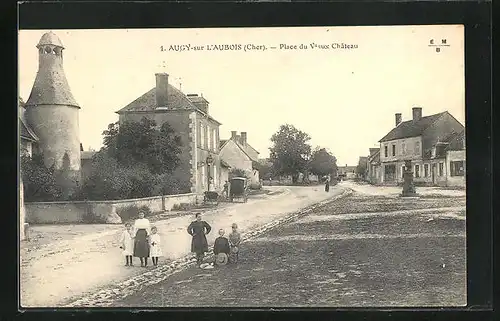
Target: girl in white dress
{"type": "Point", "coordinates": [127, 244]}
{"type": "Point", "coordinates": [155, 243]}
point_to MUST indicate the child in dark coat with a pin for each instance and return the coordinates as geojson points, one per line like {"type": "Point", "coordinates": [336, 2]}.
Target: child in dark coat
{"type": "Point", "coordinates": [221, 244]}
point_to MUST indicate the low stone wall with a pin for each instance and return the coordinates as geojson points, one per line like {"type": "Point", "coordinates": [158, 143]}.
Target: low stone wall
{"type": "Point", "coordinates": [98, 211]}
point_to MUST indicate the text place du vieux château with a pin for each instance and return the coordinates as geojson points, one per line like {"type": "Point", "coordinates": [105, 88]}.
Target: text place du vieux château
{"type": "Point", "coordinates": [258, 47]}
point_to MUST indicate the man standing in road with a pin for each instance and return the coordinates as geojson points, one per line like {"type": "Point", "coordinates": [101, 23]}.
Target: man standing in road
{"type": "Point", "coordinates": [198, 230]}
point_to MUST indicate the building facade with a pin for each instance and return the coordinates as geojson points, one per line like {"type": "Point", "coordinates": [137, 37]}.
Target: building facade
{"type": "Point", "coordinates": [239, 154]}
{"type": "Point", "coordinates": [189, 116]}
{"type": "Point", "coordinates": [373, 166]}
{"type": "Point", "coordinates": [346, 172]}
{"type": "Point", "coordinates": [425, 141]}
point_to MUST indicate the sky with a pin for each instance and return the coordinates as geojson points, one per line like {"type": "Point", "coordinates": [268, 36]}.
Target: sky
{"type": "Point", "coordinates": [345, 99]}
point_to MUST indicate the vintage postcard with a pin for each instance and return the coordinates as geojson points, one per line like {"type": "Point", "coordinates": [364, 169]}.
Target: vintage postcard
{"type": "Point", "coordinates": [243, 167]}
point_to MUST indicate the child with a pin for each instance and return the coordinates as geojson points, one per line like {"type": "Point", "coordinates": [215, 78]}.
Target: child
{"type": "Point", "coordinates": [155, 242]}
{"type": "Point", "coordinates": [221, 244]}
{"type": "Point", "coordinates": [127, 244]}
{"type": "Point", "coordinates": [234, 243]}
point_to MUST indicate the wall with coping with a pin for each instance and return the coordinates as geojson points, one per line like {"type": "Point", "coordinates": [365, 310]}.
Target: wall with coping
{"type": "Point", "coordinates": [101, 211]}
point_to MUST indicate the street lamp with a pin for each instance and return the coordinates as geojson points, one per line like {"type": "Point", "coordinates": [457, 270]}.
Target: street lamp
{"type": "Point", "coordinates": [209, 161]}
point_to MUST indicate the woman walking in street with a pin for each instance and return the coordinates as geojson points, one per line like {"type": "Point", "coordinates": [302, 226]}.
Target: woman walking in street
{"type": "Point", "coordinates": [198, 230]}
{"type": "Point", "coordinates": [327, 184]}
{"type": "Point", "coordinates": [141, 241]}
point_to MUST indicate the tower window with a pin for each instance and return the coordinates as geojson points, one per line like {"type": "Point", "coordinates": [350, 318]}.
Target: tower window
{"type": "Point", "coordinates": [48, 50]}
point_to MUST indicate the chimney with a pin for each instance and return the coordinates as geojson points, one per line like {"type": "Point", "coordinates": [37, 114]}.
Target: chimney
{"type": "Point", "coordinates": [243, 138]}
{"type": "Point", "coordinates": [233, 134]}
{"type": "Point", "coordinates": [417, 113]}
{"type": "Point", "coordinates": [398, 119]}
{"type": "Point", "coordinates": [161, 89]}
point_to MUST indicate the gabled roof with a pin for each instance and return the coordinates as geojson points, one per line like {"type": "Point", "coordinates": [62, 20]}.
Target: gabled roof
{"type": "Point", "coordinates": [375, 157]}
{"type": "Point", "coordinates": [222, 142]}
{"type": "Point", "coordinates": [412, 128]}
{"type": "Point", "coordinates": [147, 102]}
{"type": "Point", "coordinates": [239, 146]}
{"type": "Point", "coordinates": [26, 132]}
{"type": "Point", "coordinates": [176, 100]}
{"type": "Point", "coordinates": [455, 141]}
{"type": "Point", "coordinates": [250, 146]}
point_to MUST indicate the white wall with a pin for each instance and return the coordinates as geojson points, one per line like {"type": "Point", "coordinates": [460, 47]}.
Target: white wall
{"type": "Point", "coordinates": [235, 157]}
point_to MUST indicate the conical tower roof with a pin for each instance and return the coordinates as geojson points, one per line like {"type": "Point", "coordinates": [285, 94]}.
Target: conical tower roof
{"type": "Point", "coordinates": [50, 38]}
{"type": "Point", "coordinates": [50, 86]}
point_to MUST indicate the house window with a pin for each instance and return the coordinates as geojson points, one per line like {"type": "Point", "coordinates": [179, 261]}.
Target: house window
{"type": "Point", "coordinates": [457, 168]}
{"type": "Point", "coordinates": [393, 150]}
{"type": "Point", "coordinates": [426, 170]}
{"type": "Point", "coordinates": [441, 166]}
{"type": "Point", "coordinates": [417, 148]}
{"type": "Point", "coordinates": [385, 150]}
{"type": "Point", "coordinates": [202, 136]}
{"type": "Point", "coordinates": [403, 171]}
{"type": "Point", "coordinates": [203, 176]}
{"type": "Point", "coordinates": [210, 139]}
{"type": "Point", "coordinates": [417, 171]}
{"type": "Point", "coordinates": [403, 148]}
{"type": "Point", "coordinates": [214, 135]}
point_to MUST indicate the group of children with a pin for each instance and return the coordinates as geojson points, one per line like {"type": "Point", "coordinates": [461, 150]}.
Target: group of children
{"type": "Point", "coordinates": [127, 244]}
{"type": "Point", "coordinates": [229, 246]}
{"type": "Point", "coordinates": [225, 249]}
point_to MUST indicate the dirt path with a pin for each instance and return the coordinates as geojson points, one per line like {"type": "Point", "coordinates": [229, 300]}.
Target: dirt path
{"type": "Point", "coordinates": [66, 262]}
{"type": "Point", "coordinates": [359, 251]}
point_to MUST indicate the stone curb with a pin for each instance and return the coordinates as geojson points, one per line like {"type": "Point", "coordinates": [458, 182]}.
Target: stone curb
{"type": "Point", "coordinates": [106, 297]}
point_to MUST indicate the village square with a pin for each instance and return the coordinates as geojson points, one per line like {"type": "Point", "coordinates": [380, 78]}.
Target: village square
{"type": "Point", "coordinates": [385, 230]}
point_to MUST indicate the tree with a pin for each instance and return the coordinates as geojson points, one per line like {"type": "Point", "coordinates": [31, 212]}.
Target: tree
{"type": "Point", "coordinates": [265, 171]}
{"type": "Point", "coordinates": [323, 163]}
{"type": "Point", "coordinates": [361, 168]}
{"type": "Point", "coordinates": [237, 172]}
{"type": "Point", "coordinates": [290, 151]}
{"type": "Point", "coordinates": [111, 181]}
{"type": "Point", "coordinates": [141, 142]}
{"type": "Point", "coordinates": [39, 181]}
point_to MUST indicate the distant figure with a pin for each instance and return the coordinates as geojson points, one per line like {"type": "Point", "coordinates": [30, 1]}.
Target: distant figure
{"type": "Point", "coordinates": [211, 186]}
{"type": "Point", "coordinates": [226, 189]}
{"type": "Point", "coordinates": [327, 184]}
{"type": "Point", "coordinates": [198, 230]}
{"type": "Point", "coordinates": [155, 242]}
{"type": "Point", "coordinates": [141, 241]}
{"type": "Point", "coordinates": [127, 244]}
{"type": "Point", "coordinates": [234, 243]}
{"type": "Point", "coordinates": [221, 246]}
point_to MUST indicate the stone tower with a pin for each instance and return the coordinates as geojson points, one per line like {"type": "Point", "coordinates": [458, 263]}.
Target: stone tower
{"type": "Point", "coordinates": [53, 114]}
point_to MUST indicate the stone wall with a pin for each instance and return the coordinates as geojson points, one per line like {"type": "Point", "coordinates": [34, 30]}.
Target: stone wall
{"type": "Point", "coordinates": [100, 211]}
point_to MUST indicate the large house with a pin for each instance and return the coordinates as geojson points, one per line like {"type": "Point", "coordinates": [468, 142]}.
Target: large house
{"type": "Point", "coordinates": [373, 166]}
{"type": "Point", "coordinates": [239, 154]}
{"type": "Point", "coordinates": [434, 144]}
{"type": "Point", "coordinates": [199, 132]}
